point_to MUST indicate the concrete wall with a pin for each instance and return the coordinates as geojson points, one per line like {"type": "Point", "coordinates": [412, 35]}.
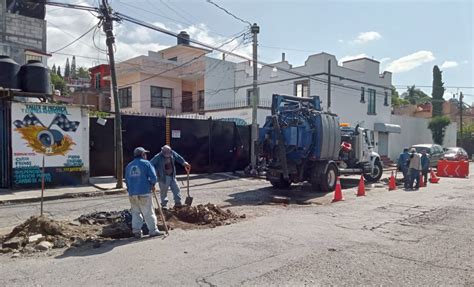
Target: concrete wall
{"type": "Point", "coordinates": [415, 131]}
{"type": "Point", "coordinates": [219, 83]}
{"type": "Point", "coordinates": [18, 33]}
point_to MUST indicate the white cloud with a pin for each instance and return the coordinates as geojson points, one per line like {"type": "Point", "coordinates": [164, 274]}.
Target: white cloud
{"type": "Point", "coordinates": [65, 25]}
{"type": "Point", "coordinates": [365, 37]}
{"type": "Point", "coordinates": [348, 58]}
{"type": "Point", "coordinates": [449, 64]}
{"type": "Point", "coordinates": [340, 41]}
{"type": "Point", "coordinates": [410, 62]}
{"type": "Point", "coordinates": [465, 61]}
{"type": "Point", "coordinates": [383, 60]}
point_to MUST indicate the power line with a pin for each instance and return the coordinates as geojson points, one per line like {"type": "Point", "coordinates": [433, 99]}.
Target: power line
{"type": "Point", "coordinates": [75, 40]}
{"type": "Point", "coordinates": [229, 13]}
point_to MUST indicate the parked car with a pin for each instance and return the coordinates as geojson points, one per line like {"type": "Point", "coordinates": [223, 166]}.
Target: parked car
{"type": "Point", "coordinates": [455, 153]}
{"type": "Point", "coordinates": [434, 151]}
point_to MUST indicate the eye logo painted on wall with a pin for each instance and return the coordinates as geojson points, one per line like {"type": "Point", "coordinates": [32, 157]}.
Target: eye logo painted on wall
{"type": "Point", "coordinates": [46, 140]}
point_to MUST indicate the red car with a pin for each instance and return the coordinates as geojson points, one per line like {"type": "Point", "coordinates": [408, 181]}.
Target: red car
{"type": "Point", "coordinates": [455, 153]}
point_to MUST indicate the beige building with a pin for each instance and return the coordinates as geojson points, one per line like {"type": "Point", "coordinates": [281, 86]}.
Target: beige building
{"type": "Point", "coordinates": [170, 81]}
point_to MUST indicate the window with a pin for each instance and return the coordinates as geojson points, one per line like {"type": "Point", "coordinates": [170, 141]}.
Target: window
{"type": "Point", "coordinates": [201, 100]}
{"type": "Point", "coordinates": [161, 97]}
{"type": "Point", "coordinates": [371, 106]}
{"type": "Point", "coordinates": [125, 97]}
{"type": "Point", "coordinates": [97, 80]}
{"type": "Point", "coordinates": [302, 89]}
{"type": "Point", "coordinates": [250, 95]}
{"type": "Point", "coordinates": [33, 57]}
{"type": "Point", "coordinates": [385, 99]}
{"type": "Point", "coordinates": [362, 95]}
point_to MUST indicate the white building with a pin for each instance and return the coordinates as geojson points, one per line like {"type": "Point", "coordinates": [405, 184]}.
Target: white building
{"type": "Point", "coordinates": [360, 94]}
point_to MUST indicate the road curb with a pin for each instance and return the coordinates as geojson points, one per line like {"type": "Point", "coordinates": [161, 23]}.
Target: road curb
{"type": "Point", "coordinates": [65, 196]}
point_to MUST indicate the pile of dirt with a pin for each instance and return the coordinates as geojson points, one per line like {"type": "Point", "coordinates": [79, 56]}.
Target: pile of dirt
{"type": "Point", "coordinates": [205, 214]}
{"type": "Point", "coordinates": [39, 233]}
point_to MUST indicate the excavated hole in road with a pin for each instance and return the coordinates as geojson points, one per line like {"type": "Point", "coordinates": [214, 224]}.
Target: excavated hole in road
{"type": "Point", "coordinates": [41, 233]}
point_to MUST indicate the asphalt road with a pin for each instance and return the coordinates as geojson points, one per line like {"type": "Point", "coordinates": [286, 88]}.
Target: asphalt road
{"type": "Point", "coordinates": [385, 238]}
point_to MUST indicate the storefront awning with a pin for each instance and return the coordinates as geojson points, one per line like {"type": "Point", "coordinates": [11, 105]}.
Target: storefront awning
{"type": "Point", "coordinates": [387, 128]}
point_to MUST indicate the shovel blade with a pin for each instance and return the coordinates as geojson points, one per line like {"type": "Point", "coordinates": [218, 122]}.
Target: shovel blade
{"type": "Point", "coordinates": [188, 201]}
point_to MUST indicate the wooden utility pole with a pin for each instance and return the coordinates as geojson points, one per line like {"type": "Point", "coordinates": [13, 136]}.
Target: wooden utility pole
{"type": "Point", "coordinates": [110, 40]}
{"type": "Point", "coordinates": [255, 29]}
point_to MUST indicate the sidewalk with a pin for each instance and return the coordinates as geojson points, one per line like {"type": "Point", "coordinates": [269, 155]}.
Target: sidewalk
{"type": "Point", "coordinates": [98, 187]}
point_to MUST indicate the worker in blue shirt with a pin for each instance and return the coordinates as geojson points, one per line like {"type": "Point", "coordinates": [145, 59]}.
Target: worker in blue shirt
{"type": "Point", "coordinates": [403, 165]}
{"type": "Point", "coordinates": [164, 163]}
{"type": "Point", "coordinates": [425, 166]}
{"type": "Point", "coordinates": [140, 177]}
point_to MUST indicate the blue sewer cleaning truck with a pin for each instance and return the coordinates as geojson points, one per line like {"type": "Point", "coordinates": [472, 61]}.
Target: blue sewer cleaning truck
{"type": "Point", "coordinates": [301, 142]}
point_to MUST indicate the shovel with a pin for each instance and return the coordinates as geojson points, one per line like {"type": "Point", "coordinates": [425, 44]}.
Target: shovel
{"type": "Point", "coordinates": [161, 211]}
{"type": "Point", "coordinates": [189, 200]}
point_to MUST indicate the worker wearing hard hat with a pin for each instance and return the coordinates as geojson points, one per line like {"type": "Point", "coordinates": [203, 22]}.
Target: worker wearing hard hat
{"type": "Point", "coordinates": [164, 163]}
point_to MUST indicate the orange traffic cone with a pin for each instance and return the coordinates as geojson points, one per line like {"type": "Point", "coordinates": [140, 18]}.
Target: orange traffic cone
{"type": "Point", "coordinates": [391, 183]}
{"type": "Point", "coordinates": [422, 182]}
{"type": "Point", "coordinates": [361, 188]}
{"type": "Point", "coordinates": [338, 191]}
{"type": "Point", "coordinates": [433, 177]}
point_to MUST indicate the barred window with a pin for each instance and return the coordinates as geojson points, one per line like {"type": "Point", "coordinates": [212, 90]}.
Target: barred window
{"type": "Point", "coordinates": [161, 97]}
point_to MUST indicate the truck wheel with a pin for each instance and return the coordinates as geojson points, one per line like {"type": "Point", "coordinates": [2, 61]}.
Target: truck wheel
{"type": "Point", "coordinates": [329, 178]}
{"type": "Point", "coordinates": [281, 183]}
{"type": "Point", "coordinates": [377, 174]}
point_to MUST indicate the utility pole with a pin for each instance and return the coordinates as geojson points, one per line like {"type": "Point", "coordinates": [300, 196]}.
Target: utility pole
{"type": "Point", "coordinates": [108, 29]}
{"type": "Point", "coordinates": [460, 119]}
{"type": "Point", "coordinates": [255, 29]}
{"type": "Point", "coordinates": [329, 85]}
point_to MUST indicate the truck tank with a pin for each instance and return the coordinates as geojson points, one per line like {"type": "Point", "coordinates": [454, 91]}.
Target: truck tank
{"type": "Point", "coordinates": [306, 131]}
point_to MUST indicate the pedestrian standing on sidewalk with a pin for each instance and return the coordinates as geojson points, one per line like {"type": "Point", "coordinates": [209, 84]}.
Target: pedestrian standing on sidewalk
{"type": "Point", "coordinates": [425, 166]}
{"type": "Point", "coordinates": [403, 165]}
{"type": "Point", "coordinates": [414, 168]}
{"type": "Point", "coordinates": [140, 177]}
{"type": "Point", "coordinates": [165, 165]}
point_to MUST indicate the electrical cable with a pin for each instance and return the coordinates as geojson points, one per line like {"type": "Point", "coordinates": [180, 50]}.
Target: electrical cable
{"type": "Point", "coordinates": [74, 41]}
{"type": "Point", "coordinates": [229, 13]}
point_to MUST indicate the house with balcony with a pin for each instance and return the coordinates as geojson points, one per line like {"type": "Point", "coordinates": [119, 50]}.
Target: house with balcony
{"type": "Point", "coordinates": [169, 81]}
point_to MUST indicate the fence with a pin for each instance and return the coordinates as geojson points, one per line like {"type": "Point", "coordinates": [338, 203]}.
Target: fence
{"type": "Point", "coordinates": [208, 145]}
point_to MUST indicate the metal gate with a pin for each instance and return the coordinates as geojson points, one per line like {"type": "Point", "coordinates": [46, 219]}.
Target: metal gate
{"type": "Point", "coordinates": [208, 145]}
{"type": "Point", "coordinates": [5, 145]}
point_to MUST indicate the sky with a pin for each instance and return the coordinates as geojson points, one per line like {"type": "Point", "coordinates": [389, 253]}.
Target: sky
{"type": "Point", "coordinates": [407, 37]}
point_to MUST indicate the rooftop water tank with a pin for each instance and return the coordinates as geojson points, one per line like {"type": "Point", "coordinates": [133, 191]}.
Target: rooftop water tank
{"type": "Point", "coordinates": [35, 78]}
{"type": "Point", "coordinates": [183, 38]}
{"type": "Point", "coordinates": [9, 73]}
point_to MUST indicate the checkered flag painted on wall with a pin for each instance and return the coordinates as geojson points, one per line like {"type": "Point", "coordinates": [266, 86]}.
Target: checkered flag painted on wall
{"type": "Point", "coordinates": [64, 123]}
{"type": "Point", "coordinates": [29, 120]}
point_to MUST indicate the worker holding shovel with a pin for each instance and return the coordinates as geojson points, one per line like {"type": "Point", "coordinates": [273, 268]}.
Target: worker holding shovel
{"type": "Point", "coordinates": [140, 177]}
{"type": "Point", "coordinates": [164, 163]}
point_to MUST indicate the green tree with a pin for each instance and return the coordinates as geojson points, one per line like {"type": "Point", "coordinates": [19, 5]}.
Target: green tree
{"type": "Point", "coordinates": [58, 71]}
{"type": "Point", "coordinates": [396, 100]}
{"type": "Point", "coordinates": [437, 93]}
{"type": "Point", "coordinates": [416, 96]}
{"type": "Point", "coordinates": [58, 83]}
{"type": "Point", "coordinates": [73, 67]}
{"type": "Point", "coordinates": [83, 73]}
{"type": "Point", "coordinates": [467, 130]}
{"type": "Point", "coordinates": [67, 70]}
{"type": "Point", "coordinates": [53, 69]}
{"type": "Point", "coordinates": [438, 125]}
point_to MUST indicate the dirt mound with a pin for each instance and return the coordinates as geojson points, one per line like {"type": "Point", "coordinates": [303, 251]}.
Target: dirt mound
{"type": "Point", "coordinates": [39, 233]}
{"type": "Point", "coordinates": [204, 214]}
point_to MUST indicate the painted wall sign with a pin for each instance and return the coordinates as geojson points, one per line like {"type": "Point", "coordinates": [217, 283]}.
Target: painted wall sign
{"type": "Point", "coordinates": [58, 133]}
